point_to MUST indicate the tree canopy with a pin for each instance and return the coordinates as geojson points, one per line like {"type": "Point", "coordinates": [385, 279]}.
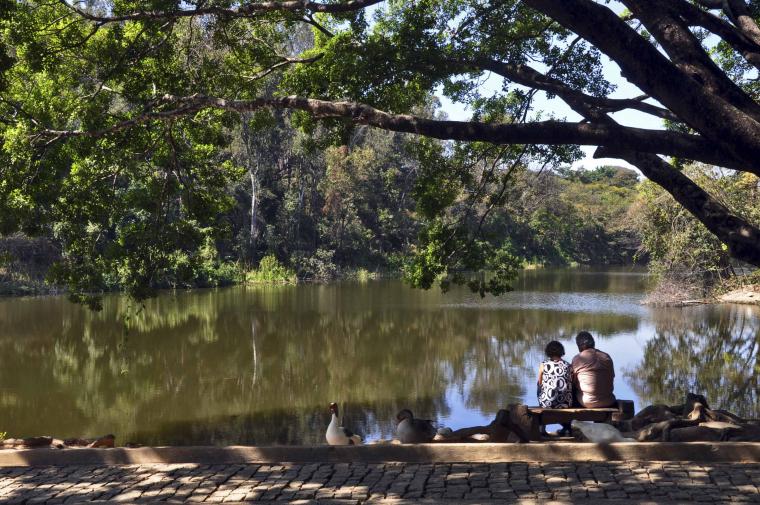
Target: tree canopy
{"type": "Point", "coordinates": [115, 114]}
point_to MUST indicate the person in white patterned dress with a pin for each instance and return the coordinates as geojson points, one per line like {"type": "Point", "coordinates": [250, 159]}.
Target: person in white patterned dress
{"type": "Point", "coordinates": [555, 385]}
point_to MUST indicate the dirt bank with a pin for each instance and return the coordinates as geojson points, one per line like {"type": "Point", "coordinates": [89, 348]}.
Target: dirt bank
{"type": "Point", "coordinates": [746, 294]}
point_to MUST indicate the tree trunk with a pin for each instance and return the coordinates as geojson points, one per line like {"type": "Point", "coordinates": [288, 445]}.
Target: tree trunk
{"type": "Point", "coordinates": [254, 212]}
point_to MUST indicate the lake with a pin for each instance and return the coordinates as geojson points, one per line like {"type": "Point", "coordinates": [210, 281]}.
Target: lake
{"type": "Point", "coordinates": [259, 365]}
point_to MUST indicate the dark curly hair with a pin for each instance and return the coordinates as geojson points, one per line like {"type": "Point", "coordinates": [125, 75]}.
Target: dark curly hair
{"type": "Point", "coordinates": [554, 348]}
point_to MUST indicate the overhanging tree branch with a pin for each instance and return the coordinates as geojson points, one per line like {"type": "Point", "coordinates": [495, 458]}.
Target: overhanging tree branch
{"type": "Point", "coordinates": [737, 233]}
{"type": "Point", "coordinates": [741, 237]}
{"type": "Point", "coordinates": [642, 64]}
{"type": "Point", "coordinates": [545, 132]}
{"type": "Point", "coordinates": [687, 53]}
{"type": "Point", "coordinates": [694, 16]}
{"type": "Point", "coordinates": [738, 12]}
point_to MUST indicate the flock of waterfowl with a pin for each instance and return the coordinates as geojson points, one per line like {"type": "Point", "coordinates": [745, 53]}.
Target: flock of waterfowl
{"type": "Point", "coordinates": [409, 430]}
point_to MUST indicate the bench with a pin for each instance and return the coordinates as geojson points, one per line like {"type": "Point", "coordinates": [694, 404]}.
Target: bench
{"type": "Point", "coordinates": [540, 416]}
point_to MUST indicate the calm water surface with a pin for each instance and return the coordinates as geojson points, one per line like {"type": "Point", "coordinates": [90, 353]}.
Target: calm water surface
{"type": "Point", "coordinates": [260, 365]}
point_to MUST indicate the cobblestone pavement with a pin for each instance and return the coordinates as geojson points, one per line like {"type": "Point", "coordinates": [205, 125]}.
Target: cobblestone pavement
{"type": "Point", "coordinates": [361, 482]}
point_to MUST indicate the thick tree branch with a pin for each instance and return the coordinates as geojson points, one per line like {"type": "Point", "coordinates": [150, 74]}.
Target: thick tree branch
{"type": "Point", "coordinates": [715, 119]}
{"type": "Point", "coordinates": [694, 16]}
{"type": "Point", "coordinates": [688, 54]}
{"type": "Point", "coordinates": [738, 12]}
{"type": "Point", "coordinates": [741, 237]}
{"type": "Point", "coordinates": [245, 10]}
{"type": "Point", "coordinates": [738, 234]}
{"type": "Point", "coordinates": [545, 132]}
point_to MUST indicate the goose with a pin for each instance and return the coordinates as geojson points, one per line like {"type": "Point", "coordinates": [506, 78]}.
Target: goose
{"type": "Point", "coordinates": [413, 431]}
{"type": "Point", "coordinates": [338, 435]}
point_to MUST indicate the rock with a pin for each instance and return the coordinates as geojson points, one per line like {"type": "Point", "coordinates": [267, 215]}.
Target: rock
{"type": "Point", "coordinates": [720, 425]}
{"type": "Point", "coordinates": [104, 441]}
{"type": "Point", "coordinates": [749, 433]}
{"type": "Point", "coordinates": [696, 434]}
{"type": "Point", "coordinates": [35, 442]}
{"type": "Point", "coordinates": [651, 414]}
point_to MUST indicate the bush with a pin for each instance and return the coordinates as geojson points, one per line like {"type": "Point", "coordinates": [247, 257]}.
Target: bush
{"type": "Point", "coordinates": [363, 275]}
{"type": "Point", "coordinates": [319, 267]}
{"type": "Point", "coordinates": [271, 271]}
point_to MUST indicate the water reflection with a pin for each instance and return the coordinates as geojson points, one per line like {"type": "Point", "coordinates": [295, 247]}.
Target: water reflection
{"type": "Point", "coordinates": [248, 366]}
{"type": "Point", "coordinates": [710, 350]}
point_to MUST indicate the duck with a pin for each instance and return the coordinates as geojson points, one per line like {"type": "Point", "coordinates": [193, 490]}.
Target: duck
{"type": "Point", "coordinates": [338, 435]}
{"type": "Point", "coordinates": [413, 431]}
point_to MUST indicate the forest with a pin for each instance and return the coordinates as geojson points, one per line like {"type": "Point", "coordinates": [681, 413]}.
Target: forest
{"type": "Point", "coordinates": [338, 212]}
{"type": "Point", "coordinates": [207, 143]}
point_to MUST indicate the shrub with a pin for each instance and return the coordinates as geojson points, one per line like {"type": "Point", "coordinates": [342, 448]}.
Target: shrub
{"type": "Point", "coordinates": [318, 267]}
{"type": "Point", "coordinates": [271, 271]}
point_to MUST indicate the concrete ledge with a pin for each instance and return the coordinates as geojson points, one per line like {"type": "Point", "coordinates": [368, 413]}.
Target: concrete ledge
{"type": "Point", "coordinates": [421, 453]}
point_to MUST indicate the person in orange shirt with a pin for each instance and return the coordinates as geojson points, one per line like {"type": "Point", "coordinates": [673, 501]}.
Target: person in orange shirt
{"type": "Point", "coordinates": [593, 374]}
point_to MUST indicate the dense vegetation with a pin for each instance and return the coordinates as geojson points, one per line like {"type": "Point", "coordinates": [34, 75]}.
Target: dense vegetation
{"type": "Point", "coordinates": [174, 143]}
{"type": "Point", "coordinates": [689, 261]}
{"type": "Point", "coordinates": [332, 213]}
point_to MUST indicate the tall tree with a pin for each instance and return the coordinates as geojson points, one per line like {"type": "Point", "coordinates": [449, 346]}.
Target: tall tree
{"type": "Point", "coordinates": [99, 86]}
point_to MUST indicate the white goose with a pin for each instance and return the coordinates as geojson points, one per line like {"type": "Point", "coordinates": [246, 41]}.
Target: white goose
{"type": "Point", "coordinates": [338, 435]}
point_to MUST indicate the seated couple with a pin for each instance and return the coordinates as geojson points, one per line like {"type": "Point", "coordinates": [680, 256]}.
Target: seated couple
{"type": "Point", "coordinates": [586, 382]}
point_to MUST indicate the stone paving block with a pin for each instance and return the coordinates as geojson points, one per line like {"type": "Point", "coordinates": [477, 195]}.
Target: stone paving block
{"type": "Point", "coordinates": [705, 483]}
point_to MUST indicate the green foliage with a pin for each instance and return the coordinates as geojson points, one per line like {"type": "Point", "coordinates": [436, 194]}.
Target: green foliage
{"type": "Point", "coordinates": [609, 175]}
{"type": "Point", "coordinates": [195, 198]}
{"type": "Point", "coordinates": [680, 248]}
{"type": "Point", "coordinates": [271, 271]}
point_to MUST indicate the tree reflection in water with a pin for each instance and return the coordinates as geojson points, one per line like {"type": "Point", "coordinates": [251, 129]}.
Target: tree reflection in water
{"type": "Point", "coordinates": [711, 350]}
{"type": "Point", "coordinates": [244, 366]}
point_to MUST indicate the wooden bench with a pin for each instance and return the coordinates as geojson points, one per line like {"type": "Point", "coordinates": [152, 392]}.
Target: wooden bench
{"type": "Point", "coordinates": [540, 416]}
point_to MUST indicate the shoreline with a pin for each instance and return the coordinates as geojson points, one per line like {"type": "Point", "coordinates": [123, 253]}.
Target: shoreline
{"type": "Point", "coordinates": [356, 275]}
{"type": "Point", "coordinates": [748, 295]}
